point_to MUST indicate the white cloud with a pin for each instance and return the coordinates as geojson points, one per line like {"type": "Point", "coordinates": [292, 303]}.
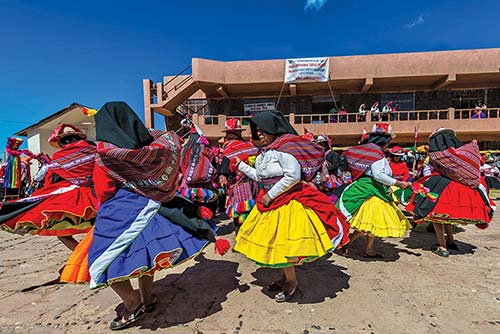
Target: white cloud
{"type": "Point", "coordinates": [314, 4]}
{"type": "Point", "coordinates": [418, 21]}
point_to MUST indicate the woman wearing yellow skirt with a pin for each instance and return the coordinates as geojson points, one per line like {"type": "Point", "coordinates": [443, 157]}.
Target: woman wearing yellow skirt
{"type": "Point", "coordinates": [367, 202]}
{"type": "Point", "coordinates": [292, 223]}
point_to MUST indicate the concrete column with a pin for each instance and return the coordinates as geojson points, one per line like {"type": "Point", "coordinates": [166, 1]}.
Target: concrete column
{"type": "Point", "coordinates": [292, 119]}
{"type": "Point", "coordinates": [149, 119]}
{"type": "Point", "coordinates": [451, 113]}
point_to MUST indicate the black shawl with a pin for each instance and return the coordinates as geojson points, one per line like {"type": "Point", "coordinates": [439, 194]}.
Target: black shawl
{"type": "Point", "coordinates": [271, 122]}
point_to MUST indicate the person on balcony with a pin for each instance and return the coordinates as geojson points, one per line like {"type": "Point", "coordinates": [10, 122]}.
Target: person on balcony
{"type": "Point", "coordinates": [343, 114]}
{"type": "Point", "coordinates": [394, 113]}
{"type": "Point", "coordinates": [386, 111]}
{"type": "Point", "coordinates": [292, 223]}
{"type": "Point", "coordinates": [454, 193]}
{"type": "Point", "coordinates": [367, 202]}
{"type": "Point", "coordinates": [479, 110]}
{"type": "Point", "coordinates": [362, 113]}
{"type": "Point", "coordinates": [241, 190]}
{"type": "Point", "coordinates": [375, 111]}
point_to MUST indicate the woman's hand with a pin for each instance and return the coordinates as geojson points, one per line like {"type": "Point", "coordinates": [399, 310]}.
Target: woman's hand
{"type": "Point", "coordinates": [403, 184]}
{"type": "Point", "coordinates": [266, 200]}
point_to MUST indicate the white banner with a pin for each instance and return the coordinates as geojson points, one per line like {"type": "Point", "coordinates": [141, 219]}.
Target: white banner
{"type": "Point", "coordinates": [307, 69]}
{"type": "Point", "coordinates": [250, 108]}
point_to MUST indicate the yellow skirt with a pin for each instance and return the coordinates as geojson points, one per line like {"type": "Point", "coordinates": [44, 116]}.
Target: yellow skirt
{"type": "Point", "coordinates": [381, 219]}
{"type": "Point", "coordinates": [287, 236]}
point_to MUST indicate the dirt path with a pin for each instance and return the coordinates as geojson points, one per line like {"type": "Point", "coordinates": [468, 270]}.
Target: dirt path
{"type": "Point", "coordinates": [410, 291]}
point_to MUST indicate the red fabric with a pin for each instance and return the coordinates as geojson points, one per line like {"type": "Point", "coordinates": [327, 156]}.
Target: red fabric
{"type": "Point", "coordinates": [458, 201]}
{"type": "Point", "coordinates": [74, 204]}
{"type": "Point", "coordinates": [360, 158]}
{"type": "Point", "coordinates": [309, 155]}
{"type": "Point", "coordinates": [399, 171]}
{"type": "Point", "coordinates": [317, 201]}
{"type": "Point", "coordinates": [104, 185]}
{"type": "Point", "coordinates": [74, 162]}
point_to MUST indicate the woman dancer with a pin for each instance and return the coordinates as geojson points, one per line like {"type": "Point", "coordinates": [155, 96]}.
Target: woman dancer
{"type": "Point", "coordinates": [367, 203]}
{"type": "Point", "coordinates": [241, 191]}
{"type": "Point", "coordinates": [292, 223]}
{"type": "Point", "coordinates": [135, 235]}
{"type": "Point", "coordinates": [454, 193]}
{"type": "Point", "coordinates": [66, 204]}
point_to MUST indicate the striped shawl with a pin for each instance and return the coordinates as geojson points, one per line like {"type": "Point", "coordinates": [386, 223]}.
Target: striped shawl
{"type": "Point", "coordinates": [151, 171]}
{"type": "Point", "coordinates": [360, 158]}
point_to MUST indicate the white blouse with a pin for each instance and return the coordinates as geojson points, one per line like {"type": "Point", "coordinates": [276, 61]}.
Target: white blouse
{"type": "Point", "coordinates": [381, 171]}
{"type": "Point", "coordinates": [271, 164]}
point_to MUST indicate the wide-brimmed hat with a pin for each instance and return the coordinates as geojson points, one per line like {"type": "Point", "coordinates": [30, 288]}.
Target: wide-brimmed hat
{"type": "Point", "coordinates": [233, 124]}
{"type": "Point", "coordinates": [62, 131]}
{"type": "Point", "coordinates": [382, 129]}
{"type": "Point", "coordinates": [396, 150]}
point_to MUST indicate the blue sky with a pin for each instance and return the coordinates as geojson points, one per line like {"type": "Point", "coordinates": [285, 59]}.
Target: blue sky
{"type": "Point", "coordinates": [55, 52]}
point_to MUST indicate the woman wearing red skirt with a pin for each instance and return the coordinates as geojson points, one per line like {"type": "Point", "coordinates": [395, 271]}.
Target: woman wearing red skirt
{"type": "Point", "coordinates": [455, 193]}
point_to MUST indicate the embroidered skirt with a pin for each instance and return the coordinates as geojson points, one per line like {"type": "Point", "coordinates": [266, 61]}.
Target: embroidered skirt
{"type": "Point", "coordinates": [60, 209]}
{"type": "Point", "coordinates": [131, 239]}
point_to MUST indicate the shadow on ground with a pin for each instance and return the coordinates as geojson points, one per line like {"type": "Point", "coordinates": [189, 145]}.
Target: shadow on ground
{"type": "Point", "coordinates": [207, 284]}
{"type": "Point", "coordinates": [427, 241]}
{"type": "Point", "coordinates": [318, 281]}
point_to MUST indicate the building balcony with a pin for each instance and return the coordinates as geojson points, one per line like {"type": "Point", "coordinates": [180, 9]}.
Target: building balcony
{"type": "Point", "coordinates": [347, 129]}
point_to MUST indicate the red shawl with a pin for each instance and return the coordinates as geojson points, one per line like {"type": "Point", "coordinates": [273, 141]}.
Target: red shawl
{"type": "Point", "coordinates": [151, 171]}
{"type": "Point", "coordinates": [360, 158]}
{"type": "Point", "coordinates": [317, 201]}
{"type": "Point", "coordinates": [74, 162]}
{"type": "Point", "coordinates": [237, 148]}
{"type": "Point", "coordinates": [309, 155]}
{"type": "Point", "coordinates": [399, 171]}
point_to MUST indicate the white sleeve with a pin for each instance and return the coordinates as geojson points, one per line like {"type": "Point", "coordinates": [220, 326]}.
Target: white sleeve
{"type": "Point", "coordinates": [291, 174]}
{"type": "Point", "coordinates": [378, 172]}
{"type": "Point", "coordinates": [248, 171]}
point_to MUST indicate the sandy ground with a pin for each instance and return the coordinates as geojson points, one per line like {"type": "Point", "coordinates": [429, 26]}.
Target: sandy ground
{"type": "Point", "coordinates": [411, 290]}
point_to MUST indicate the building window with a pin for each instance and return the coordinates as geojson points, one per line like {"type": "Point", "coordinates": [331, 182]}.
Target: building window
{"type": "Point", "coordinates": [194, 106]}
{"type": "Point", "coordinates": [404, 101]}
{"type": "Point", "coordinates": [467, 99]}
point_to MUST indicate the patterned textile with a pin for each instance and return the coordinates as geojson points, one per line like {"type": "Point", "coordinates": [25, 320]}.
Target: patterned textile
{"type": "Point", "coordinates": [459, 164]}
{"type": "Point", "coordinates": [151, 171]}
{"type": "Point", "coordinates": [360, 158]}
{"type": "Point", "coordinates": [74, 162]}
{"type": "Point", "coordinates": [235, 148]}
{"type": "Point", "coordinates": [196, 164]}
{"type": "Point", "coordinates": [309, 155]}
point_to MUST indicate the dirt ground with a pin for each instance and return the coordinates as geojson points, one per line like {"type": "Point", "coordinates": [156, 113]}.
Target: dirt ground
{"type": "Point", "coordinates": [411, 290]}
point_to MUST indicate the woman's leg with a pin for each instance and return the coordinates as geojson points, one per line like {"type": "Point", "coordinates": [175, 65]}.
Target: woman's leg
{"type": "Point", "coordinates": [290, 283]}
{"type": "Point", "coordinates": [448, 228]}
{"type": "Point", "coordinates": [69, 242]}
{"type": "Point", "coordinates": [439, 228]}
{"type": "Point", "coordinates": [370, 245]}
{"type": "Point", "coordinates": [146, 289]}
{"type": "Point", "coordinates": [128, 295]}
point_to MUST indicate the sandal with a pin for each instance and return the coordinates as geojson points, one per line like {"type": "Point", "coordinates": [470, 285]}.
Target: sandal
{"type": "Point", "coordinates": [274, 287]}
{"type": "Point", "coordinates": [120, 322]}
{"type": "Point", "coordinates": [284, 296]}
{"type": "Point", "coordinates": [149, 308]}
{"type": "Point", "coordinates": [373, 256]}
{"type": "Point", "coordinates": [442, 252]}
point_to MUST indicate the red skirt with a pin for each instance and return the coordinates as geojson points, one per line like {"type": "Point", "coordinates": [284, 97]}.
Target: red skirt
{"type": "Point", "coordinates": [62, 214]}
{"type": "Point", "coordinates": [458, 204]}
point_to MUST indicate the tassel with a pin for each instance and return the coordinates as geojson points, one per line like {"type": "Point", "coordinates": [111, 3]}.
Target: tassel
{"type": "Point", "coordinates": [222, 246]}
{"type": "Point", "coordinates": [205, 213]}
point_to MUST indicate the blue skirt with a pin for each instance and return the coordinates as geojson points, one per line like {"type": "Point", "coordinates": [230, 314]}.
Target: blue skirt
{"type": "Point", "coordinates": [131, 240]}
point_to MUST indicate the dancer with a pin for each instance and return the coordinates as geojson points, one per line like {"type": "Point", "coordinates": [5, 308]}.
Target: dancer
{"type": "Point", "coordinates": [135, 235]}
{"type": "Point", "coordinates": [197, 170]}
{"type": "Point", "coordinates": [491, 175]}
{"type": "Point", "coordinates": [292, 223]}
{"type": "Point", "coordinates": [401, 173]}
{"type": "Point", "coordinates": [66, 204]}
{"type": "Point", "coordinates": [454, 193]}
{"type": "Point", "coordinates": [367, 203]}
{"type": "Point", "coordinates": [241, 191]}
